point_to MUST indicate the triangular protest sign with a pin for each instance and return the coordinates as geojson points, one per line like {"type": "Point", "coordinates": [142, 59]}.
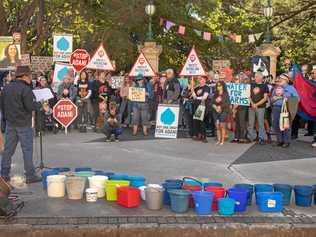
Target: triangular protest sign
{"type": "Point", "coordinates": [142, 67]}
{"type": "Point", "coordinates": [192, 66]}
{"type": "Point", "coordinates": [100, 60]}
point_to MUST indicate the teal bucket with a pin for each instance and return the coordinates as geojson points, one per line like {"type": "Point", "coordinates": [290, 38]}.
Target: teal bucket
{"type": "Point", "coordinates": [303, 195]}
{"type": "Point", "coordinates": [226, 206]}
{"type": "Point", "coordinates": [286, 189]}
{"type": "Point", "coordinates": [249, 187]}
{"type": "Point", "coordinates": [259, 188]}
{"type": "Point", "coordinates": [179, 199]}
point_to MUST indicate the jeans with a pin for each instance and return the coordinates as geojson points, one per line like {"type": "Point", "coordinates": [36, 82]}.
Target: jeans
{"type": "Point", "coordinates": [282, 136]}
{"type": "Point", "coordinates": [109, 130]}
{"type": "Point", "coordinates": [83, 112]}
{"type": "Point", "coordinates": [252, 114]}
{"type": "Point", "coordinates": [126, 105]}
{"type": "Point", "coordinates": [13, 136]}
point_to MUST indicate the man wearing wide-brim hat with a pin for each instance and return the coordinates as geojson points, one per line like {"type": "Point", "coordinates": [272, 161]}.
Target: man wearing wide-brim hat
{"type": "Point", "coordinates": [17, 105]}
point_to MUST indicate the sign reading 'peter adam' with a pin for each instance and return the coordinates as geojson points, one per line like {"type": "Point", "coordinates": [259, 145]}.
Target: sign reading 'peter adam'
{"type": "Point", "coordinates": [239, 93]}
{"type": "Point", "coordinates": [142, 67]}
{"type": "Point", "coordinates": [62, 47]}
{"type": "Point", "coordinates": [167, 121]}
{"type": "Point", "coordinates": [192, 66]}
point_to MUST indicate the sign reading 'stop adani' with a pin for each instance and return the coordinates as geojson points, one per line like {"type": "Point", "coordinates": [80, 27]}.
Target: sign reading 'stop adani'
{"type": "Point", "coordinates": [167, 121]}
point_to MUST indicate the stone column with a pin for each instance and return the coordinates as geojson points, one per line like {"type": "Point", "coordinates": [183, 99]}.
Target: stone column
{"type": "Point", "coordinates": [152, 52]}
{"type": "Point", "coordinates": [269, 50]}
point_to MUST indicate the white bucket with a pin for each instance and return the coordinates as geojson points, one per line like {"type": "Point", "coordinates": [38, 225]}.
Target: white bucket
{"type": "Point", "coordinates": [91, 194]}
{"type": "Point", "coordinates": [56, 186]}
{"type": "Point", "coordinates": [98, 182]}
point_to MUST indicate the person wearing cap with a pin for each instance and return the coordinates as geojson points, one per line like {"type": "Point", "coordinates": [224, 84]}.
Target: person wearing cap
{"type": "Point", "coordinates": [141, 109]}
{"type": "Point", "coordinates": [283, 93]}
{"type": "Point", "coordinates": [17, 107]}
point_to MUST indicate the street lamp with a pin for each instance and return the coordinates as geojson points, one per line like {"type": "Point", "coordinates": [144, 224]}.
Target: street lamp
{"type": "Point", "coordinates": [150, 11]}
{"type": "Point", "coordinates": [268, 13]}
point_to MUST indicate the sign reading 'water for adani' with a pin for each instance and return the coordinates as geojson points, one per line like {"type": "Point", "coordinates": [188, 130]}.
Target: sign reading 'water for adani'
{"type": "Point", "coordinates": [167, 121]}
{"type": "Point", "coordinates": [239, 94]}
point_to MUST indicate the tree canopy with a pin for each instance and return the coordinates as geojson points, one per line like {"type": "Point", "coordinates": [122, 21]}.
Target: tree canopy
{"type": "Point", "coordinates": [122, 24]}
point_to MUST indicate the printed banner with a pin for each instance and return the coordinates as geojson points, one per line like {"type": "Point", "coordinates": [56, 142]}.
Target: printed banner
{"type": "Point", "coordinates": [137, 94]}
{"type": "Point", "coordinates": [239, 94]}
{"type": "Point", "coordinates": [117, 82]}
{"type": "Point", "coordinates": [142, 67]}
{"type": "Point", "coordinates": [62, 47]}
{"type": "Point", "coordinates": [60, 72]}
{"type": "Point", "coordinates": [101, 60]}
{"type": "Point", "coordinates": [192, 66]}
{"type": "Point", "coordinates": [167, 121]}
{"type": "Point", "coordinates": [41, 63]}
{"type": "Point", "coordinates": [218, 64]}
{"type": "Point", "coordinates": [10, 53]}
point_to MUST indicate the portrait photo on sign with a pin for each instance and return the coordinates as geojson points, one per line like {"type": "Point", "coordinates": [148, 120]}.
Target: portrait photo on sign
{"type": "Point", "coordinates": [261, 64]}
{"type": "Point", "coordinates": [10, 53]}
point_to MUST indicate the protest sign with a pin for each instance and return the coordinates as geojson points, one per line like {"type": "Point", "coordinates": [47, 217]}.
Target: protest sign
{"type": "Point", "coordinates": [25, 60]}
{"type": "Point", "coordinates": [218, 64]}
{"type": "Point", "coordinates": [167, 121]}
{"type": "Point", "coordinates": [142, 67]}
{"type": "Point", "coordinates": [117, 82]}
{"type": "Point", "coordinates": [62, 48]}
{"type": "Point", "coordinates": [137, 94]}
{"type": "Point", "coordinates": [101, 60]}
{"type": "Point", "coordinates": [261, 64]}
{"type": "Point", "coordinates": [65, 112]}
{"type": "Point", "coordinates": [79, 59]}
{"type": "Point", "coordinates": [10, 53]}
{"type": "Point", "coordinates": [43, 94]}
{"type": "Point", "coordinates": [239, 94]}
{"type": "Point", "coordinates": [61, 70]}
{"type": "Point", "coordinates": [192, 66]}
{"type": "Point", "coordinates": [41, 63]}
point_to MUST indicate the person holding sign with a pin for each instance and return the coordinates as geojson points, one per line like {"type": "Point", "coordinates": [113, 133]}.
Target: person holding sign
{"type": "Point", "coordinates": [83, 95]}
{"type": "Point", "coordinates": [200, 104]}
{"type": "Point", "coordinates": [141, 109]}
{"type": "Point", "coordinates": [221, 110]}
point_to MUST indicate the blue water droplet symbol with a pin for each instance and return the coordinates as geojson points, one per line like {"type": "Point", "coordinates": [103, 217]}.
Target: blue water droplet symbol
{"type": "Point", "coordinates": [168, 117]}
{"type": "Point", "coordinates": [62, 73]}
{"type": "Point", "coordinates": [63, 44]}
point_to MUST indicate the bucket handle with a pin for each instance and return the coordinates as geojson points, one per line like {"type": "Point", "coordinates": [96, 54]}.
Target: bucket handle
{"type": "Point", "coordinates": [189, 178]}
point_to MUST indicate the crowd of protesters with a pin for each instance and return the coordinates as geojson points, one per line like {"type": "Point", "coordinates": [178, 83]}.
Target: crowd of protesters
{"type": "Point", "coordinates": [103, 108]}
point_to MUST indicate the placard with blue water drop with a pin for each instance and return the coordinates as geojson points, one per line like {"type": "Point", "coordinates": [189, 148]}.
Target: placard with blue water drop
{"type": "Point", "coordinates": [62, 47]}
{"type": "Point", "coordinates": [167, 121]}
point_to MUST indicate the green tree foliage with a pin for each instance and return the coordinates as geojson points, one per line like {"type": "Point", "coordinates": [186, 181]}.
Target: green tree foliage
{"type": "Point", "coordinates": [122, 24]}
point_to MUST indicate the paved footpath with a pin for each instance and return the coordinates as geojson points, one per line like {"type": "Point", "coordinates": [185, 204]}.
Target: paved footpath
{"type": "Point", "coordinates": [157, 160]}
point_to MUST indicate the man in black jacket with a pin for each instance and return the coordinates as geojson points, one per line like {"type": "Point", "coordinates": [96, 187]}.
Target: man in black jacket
{"type": "Point", "coordinates": [17, 105]}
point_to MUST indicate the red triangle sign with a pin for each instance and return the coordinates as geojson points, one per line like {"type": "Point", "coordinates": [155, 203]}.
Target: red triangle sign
{"type": "Point", "coordinates": [142, 67]}
{"type": "Point", "coordinates": [101, 60]}
{"type": "Point", "coordinates": [192, 66]}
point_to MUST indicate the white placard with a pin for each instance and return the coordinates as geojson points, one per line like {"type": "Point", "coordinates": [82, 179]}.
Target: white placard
{"type": "Point", "coordinates": [167, 121]}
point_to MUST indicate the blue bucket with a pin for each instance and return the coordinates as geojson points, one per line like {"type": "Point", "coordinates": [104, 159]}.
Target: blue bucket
{"type": "Point", "coordinates": [108, 174]}
{"type": "Point", "coordinates": [270, 201]}
{"type": "Point", "coordinates": [46, 173]}
{"type": "Point", "coordinates": [226, 206]}
{"type": "Point", "coordinates": [303, 195]}
{"type": "Point", "coordinates": [99, 172]}
{"type": "Point", "coordinates": [203, 202]}
{"type": "Point", "coordinates": [118, 176]}
{"type": "Point", "coordinates": [178, 181]}
{"type": "Point", "coordinates": [179, 200]}
{"type": "Point", "coordinates": [167, 187]}
{"type": "Point", "coordinates": [286, 189]}
{"type": "Point", "coordinates": [62, 169]}
{"type": "Point", "coordinates": [136, 181]}
{"type": "Point", "coordinates": [249, 187]}
{"type": "Point", "coordinates": [213, 184]}
{"type": "Point", "coordinates": [80, 169]}
{"type": "Point", "coordinates": [262, 188]}
{"type": "Point", "coordinates": [240, 195]}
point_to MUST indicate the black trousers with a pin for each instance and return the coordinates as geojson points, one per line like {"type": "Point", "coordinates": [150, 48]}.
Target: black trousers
{"type": "Point", "coordinates": [241, 123]}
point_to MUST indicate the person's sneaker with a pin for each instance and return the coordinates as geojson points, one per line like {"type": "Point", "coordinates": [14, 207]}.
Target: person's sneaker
{"type": "Point", "coordinates": [107, 140]}
{"type": "Point", "coordinates": [33, 179]}
{"type": "Point", "coordinates": [6, 178]}
{"type": "Point", "coordinates": [117, 140]}
{"type": "Point", "coordinates": [286, 145]}
{"type": "Point", "coordinates": [314, 144]}
{"type": "Point", "coordinates": [261, 142]}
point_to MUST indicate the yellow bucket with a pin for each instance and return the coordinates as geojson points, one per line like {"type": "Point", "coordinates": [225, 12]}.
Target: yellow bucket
{"type": "Point", "coordinates": [111, 188]}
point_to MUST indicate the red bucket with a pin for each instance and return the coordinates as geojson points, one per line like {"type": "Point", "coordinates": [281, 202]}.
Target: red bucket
{"type": "Point", "coordinates": [191, 188]}
{"type": "Point", "coordinates": [219, 192]}
{"type": "Point", "coordinates": [128, 197]}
